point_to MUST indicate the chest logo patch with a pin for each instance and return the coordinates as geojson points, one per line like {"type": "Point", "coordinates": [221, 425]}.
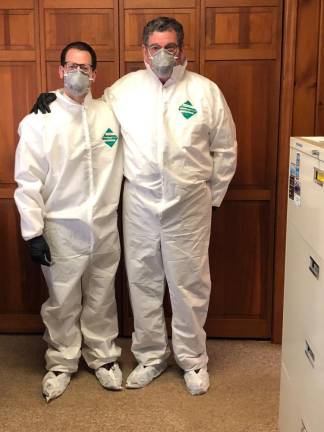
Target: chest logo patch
{"type": "Point", "coordinates": [109, 137]}
{"type": "Point", "coordinates": [187, 110]}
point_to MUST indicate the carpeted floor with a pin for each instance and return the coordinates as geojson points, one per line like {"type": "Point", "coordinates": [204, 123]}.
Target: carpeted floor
{"type": "Point", "coordinates": [243, 397]}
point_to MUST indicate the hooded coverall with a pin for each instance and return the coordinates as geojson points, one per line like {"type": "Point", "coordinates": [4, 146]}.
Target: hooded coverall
{"type": "Point", "coordinates": [179, 157]}
{"type": "Point", "coordinates": [69, 172]}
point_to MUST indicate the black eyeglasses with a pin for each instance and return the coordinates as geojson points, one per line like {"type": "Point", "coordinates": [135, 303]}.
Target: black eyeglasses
{"type": "Point", "coordinates": [155, 48]}
{"type": "Point", "coordinates": [71, 67]}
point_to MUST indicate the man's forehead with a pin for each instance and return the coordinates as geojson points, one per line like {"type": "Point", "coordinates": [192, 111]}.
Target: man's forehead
{"type": "Point", "coordinates": [162, 38]}
{"type": "Point", "coordinates": [74, 54]}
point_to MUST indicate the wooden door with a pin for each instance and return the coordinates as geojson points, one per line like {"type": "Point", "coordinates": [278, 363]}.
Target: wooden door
{"type": "Point", "coordinates": [21, 287]}
{"type": "Point", "coordinates": [32, 35]}
{"type": "Point", "coordinates": [237, 45]}
{"type": "Point", "coordinates": [240, 51]}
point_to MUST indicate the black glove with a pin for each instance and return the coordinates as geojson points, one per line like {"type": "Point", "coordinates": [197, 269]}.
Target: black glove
{"type": "Point", "coordinates": [43, 103]}
{"type": "Point", "coordinates": [39, 250]}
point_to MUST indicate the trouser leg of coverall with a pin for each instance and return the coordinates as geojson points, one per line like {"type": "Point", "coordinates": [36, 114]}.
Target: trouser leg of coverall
{"type": "Point", "coordinates": [98, 319]}
{"type": "Point", "coordinates": [185, 240]}
{"type": "Point", "coordinates": [61, 313]}
{"type": "Point", "coordinates": [146, 280]}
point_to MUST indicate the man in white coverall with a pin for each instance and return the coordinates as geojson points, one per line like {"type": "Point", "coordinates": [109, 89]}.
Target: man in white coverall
{"type": "Point", "coordinates": [180, 155]}
{"type": "Point", "coordinates": [69, 172]}
{"type": "Point", "coordinates": [179, 158]}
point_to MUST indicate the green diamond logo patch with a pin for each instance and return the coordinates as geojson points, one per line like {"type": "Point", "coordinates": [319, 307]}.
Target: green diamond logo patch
{"type": "Point", "coordinates": [187, 110]}
{"type": "Point", "coordinates": [109, 137]}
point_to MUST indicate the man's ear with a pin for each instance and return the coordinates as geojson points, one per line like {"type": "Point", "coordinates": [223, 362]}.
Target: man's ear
{"type": "Point", "coordinates": [182, 56]}
{"type": "Point", "coordinates": [61, 71]}
{"type": "Point", "coordinates": [145, 56]}
{"type": "Point", "coordinates": [94, 75]}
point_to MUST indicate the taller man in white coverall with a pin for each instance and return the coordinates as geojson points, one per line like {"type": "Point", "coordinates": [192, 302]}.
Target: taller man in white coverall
{"type": "Point", "coordinates": [69, 172]}
{"type": "Point", "coordinates": [179, 158]}
{"type": "Point", "coordinates": [180, 155]}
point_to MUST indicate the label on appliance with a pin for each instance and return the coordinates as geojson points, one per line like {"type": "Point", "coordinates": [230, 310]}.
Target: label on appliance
{"type": "Point", "coordinates": [297, 182]}
{"type": "Point", "coordinates": [294, 182]}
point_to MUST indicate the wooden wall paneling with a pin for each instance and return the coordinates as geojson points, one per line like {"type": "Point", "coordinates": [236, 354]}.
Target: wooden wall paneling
{"type": "Point", "coordinates": [241, 32]}
{"type": "Point", "coordinates": [319, 126]}
{"type": "Point", "coordinates": [241, 52]}
{"type": "Point", "coordinates": [239, 302]}
{"type": "Point", "coordinates": [95, 22]}
{"type": "Point", "coordinates": [285, 127]}
{"type": "Point", "coordinates": [134, 14]}
{"type": "Point", "coordinates": [19, 305]}
{"type": "Point", "coordinates": [20, 78]}
{"type": "Point", "coordinates": [248, 88]}
{"type": "Point", "coordinates": [306, 68]}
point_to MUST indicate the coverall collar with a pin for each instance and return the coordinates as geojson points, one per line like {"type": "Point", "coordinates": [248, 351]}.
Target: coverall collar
{"type": "Point", "coordinates": [61, 95]}
{"type": "Point", "coordinates": [177, 73]}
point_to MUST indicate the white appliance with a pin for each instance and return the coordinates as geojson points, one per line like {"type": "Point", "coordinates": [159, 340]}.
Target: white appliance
{"type": "Point", "coordinates": [302, 367]}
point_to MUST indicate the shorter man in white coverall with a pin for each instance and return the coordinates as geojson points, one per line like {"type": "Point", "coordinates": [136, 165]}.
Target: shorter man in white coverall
{"type": "Point", "coordinates": [69, 172]}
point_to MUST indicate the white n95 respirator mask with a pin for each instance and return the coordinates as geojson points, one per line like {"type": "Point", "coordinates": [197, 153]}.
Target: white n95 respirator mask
{"type": "Point", "coordinates": [162, 63]}
{"type": "Point", "coordinates": [77, 82]}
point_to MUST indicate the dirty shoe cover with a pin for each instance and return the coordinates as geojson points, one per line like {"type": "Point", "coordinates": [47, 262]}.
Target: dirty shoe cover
{"type": "Point", "coordinates": [197, 382]}
{"type": "Point", "coordinates": [110, 378]}
{"type": "Point", "coordinates": [54, 385]}
{"type": "Point", "coordinates": [143, 375]}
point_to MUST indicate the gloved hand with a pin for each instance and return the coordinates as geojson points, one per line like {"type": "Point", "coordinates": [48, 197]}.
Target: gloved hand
{"type": "Point", "coordinates": [43, 102]}
{"type": "Point", "coordinates": [39, 250]}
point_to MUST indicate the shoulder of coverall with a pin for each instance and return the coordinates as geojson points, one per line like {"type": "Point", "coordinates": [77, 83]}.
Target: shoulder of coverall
{"type": "Point", "coordinates": [33, 124]}
{"type": "Point", "coordinates": [203, 84]}
{"type": "Point", "coordinates": [127, 83]}
{"type": "Point", "coordinates": [103, 107]}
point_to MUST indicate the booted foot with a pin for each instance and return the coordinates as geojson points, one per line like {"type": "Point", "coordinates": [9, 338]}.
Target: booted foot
{"type": "Point", "coordinates": [143, 375]}
{"type": "Point", "coordinates": [54, 384]}
{"type": "Point", "coordinates": [110, 376]}
{"type": "Point", "coordinates": [197, 381]}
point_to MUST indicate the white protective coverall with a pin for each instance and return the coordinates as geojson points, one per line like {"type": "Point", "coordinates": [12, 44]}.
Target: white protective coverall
{"type": "Point", "coordinates": [179, 157]}
{"type": "Point", "coordinates": [69, 173]}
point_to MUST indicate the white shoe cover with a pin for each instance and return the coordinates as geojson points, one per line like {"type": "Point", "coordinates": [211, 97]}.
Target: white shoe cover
{"type": "Point", "coordinates": [110, 379]}
{"type": "Point", "coordinates": [143, 375]}
{"type": "Point", "coordinates": [197, 383]}
{"type": "Point", "coordinates": [55, 385]}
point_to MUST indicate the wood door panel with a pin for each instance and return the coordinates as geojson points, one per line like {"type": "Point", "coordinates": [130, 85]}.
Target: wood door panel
{"type": "Point", "coordinates": [248, 88]}
{"type": "Point", "coordinates": [241, 32]}
{"type": "Point", "coordinates": [27, 288]}
{"type": "Point", "coordinates": [239, 259]}
{"type": "Point", "coordinates": [67, 25]}
{"type": "Point", "coordinates": [17, 29]}
{"type": "Point", "coordinates": [240, 267]}
{"type": "Point", "coordinates": [18, 80]}
{"type": "Point", "coordinates": [306, 69]}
